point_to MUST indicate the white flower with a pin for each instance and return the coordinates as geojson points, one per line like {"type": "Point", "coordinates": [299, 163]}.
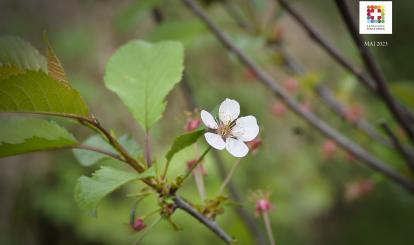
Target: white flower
{"type": "Point", "coordinates": [230, 131]}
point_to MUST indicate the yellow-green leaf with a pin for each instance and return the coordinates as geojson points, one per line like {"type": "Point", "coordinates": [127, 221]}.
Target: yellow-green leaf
{"type": "Point", "coordinates": [38, 92]}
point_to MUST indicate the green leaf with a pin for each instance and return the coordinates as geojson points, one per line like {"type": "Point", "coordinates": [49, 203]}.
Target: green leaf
{"type": "Point", "coordinates": [183, 141]}
{"type": "Point", "coordinates": [17, 52]}
{"type": "Point", "coordinates": [20, 135]}
{"type": "Point", "coordinates": [9, 70]}
{"type": "Point", "coordinates": [90, 190]}
{"type": "Point", "coordinates": [142, 74]}
{"type": "Point", "coordinates": [89, 158]}
{"type": "Point", "coordinates": [38, 92]}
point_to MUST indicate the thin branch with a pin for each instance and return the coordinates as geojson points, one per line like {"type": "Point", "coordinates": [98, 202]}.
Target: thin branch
{"type": "Point", "coordinates": [308, 116]}
{"type": "Point", "coordinates": [329, 48]}
{"type": "Point", "coordinates": [98, 150]}
{"type": "Point", "coordinates": [339, 108]}
{"type": "Point", "coordinates": [323, 92]}
{"type": "Point", "coordinates": [407, 157]}
{"type": "Point", "coordinates": [337, 55]}
{"type": "Point", "coordinates": [94, 124]}
{"type": "Point", "coordinates": [373, 68]}
{"type": "Point", "coordinates": [183, 205]}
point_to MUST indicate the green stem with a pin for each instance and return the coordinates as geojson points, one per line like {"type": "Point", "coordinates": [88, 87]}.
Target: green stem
{"type": "Point", "coordinates": [198, 178]}
{"type": "Point", "coordinates": [228, 177]}
{"type": "Point", "coordinates": [148, 149]}
{"type": "Point", "coordinates": [195, 165]}
{"type": "Point", "coordinates": [167, 165]}
{"type": "Point", "coordinates": [268, 228]}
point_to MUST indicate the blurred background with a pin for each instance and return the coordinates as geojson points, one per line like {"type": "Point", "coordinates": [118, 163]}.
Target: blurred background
{"type": "Point", "coordinates": [321, 194]}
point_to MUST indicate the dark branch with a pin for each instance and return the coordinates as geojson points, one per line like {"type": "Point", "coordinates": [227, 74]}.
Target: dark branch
{"type": "Point", "coordinates": [407, 157]}
{"type": "Point", "coordinates": [329, 48]}
{"type": "Point", "coordinates": [373, 69]}
{"type": "Point", "coordinates": [183, 205]}
{"type": "Point", "coordinates": [311, 118]}
{"type": "Point", "coordinates": [323, 92]}
{"type": "Point", "coordinates": [339, 108]}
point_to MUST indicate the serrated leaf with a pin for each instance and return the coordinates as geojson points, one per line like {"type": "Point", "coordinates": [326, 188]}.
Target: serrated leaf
{"type": "Point", "coordinates": [9, 70]}
{"type": "Point", "coordinates": [89, 191]}
{"type": "Point", "coordinates": [38, 92]}
{"type": "Point", "coordinates": [54, 66]}
{"type": "Point", "coordinates": [182, 142]}
{"type": "Point", "coordinates": [20, 135]}
{"type": "Point", "coordinates": [142, 74]}
{"type": "Point", "coordinates": [17, 52]}
{"type": "Point", "coordinates": [88, 158]}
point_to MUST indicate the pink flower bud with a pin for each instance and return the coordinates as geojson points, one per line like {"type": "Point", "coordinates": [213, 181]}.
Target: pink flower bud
{"type": "Point", "coordinates": [358, 189]}
{"type": "Point", "coordinates": [139, 224]}
{"type": "Point", "coordinates": [306, 106]}
{"type": "Point", "coordinates": [192, 124]}
{"type": "Point", "coordinates": [291, 85]}
{"type": "Point", "coordinates": [329, 149]}
{"type": "Point", "coordinates": [254, 145]}
{"type": "Point", "coordinates": [278, 109]}
{"type": "Point", "coordinates": [263, 205]}
{"type": "Point", "coordinates": [353, 113]}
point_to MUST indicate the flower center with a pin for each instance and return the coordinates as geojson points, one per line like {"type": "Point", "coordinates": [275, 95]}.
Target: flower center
{"type": "Point", "coordinates": [225, 129]}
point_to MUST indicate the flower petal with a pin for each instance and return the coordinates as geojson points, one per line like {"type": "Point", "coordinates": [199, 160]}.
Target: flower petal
{"type": "Point", "coordinates": [229, 110]}
{"type": "Point", "coordinates": [246, 128]}
{"type": "Point", "coordinates": [208, 119]}
{"type": "Point", "coordinates": [215, 141]}
{"type": "Point", "coordinates": [236, 147]}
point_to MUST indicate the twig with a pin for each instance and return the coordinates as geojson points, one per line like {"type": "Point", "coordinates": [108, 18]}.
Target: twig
{"type": "Point", "coordinates": [339, 108]}
{"type": "Point", "coordinates": [334, 53]}
{"type": "Point", "coordinates": [323, 91]}
{"type": "Point", "coordinates": [195, 164]}
{"type": "Point", "coordinates": [311, 118]}
{"type": "Point", "coordinates": [329, 48]}
{"type": "Point", "coordinates": [407, 157]}
{"type": "Point", "coordinates": [183, 205]}
{"type": "Point", "coordinates": [95, 125]}
{"type": "Point", "coordinates": [98, 150]}
{"type": "Point", "coordinates": [374, 69]}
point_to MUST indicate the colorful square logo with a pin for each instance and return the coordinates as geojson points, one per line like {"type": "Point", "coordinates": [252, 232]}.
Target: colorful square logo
{"type": "Point", "coordinates": [375, 14]}
{"type": "Point", "coordinates": [375, 17]}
